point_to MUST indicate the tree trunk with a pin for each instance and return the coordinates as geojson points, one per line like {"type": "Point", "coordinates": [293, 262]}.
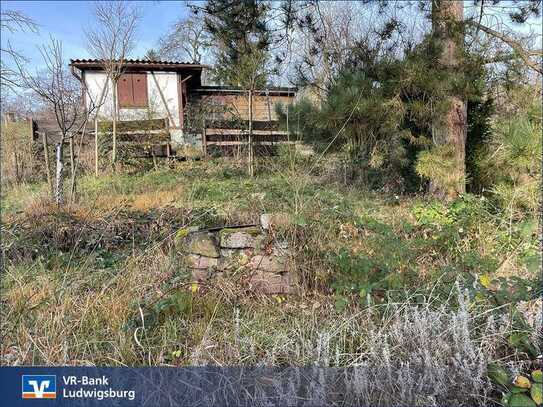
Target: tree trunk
{"type": "Point", "coordinates": [114, 141]}
{"type": "Point", "coordinates": [100, 102]}
{"type": "Point", "coordinates": [59, 175]}
{"type": "Point", "coordinates": [96, 146]}
{"type": "Point", "coordinates": [73, 186]}
{"type": "Point", "coordinates": [447, 17]}
{"type": "Point", "coordinates": [72, 169]}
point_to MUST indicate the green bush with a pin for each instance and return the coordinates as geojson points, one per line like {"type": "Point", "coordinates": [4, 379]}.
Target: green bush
{"type": "Point", "coordinates": [510, 163]}
{"type": "Point", "coordinates": [438, 164]}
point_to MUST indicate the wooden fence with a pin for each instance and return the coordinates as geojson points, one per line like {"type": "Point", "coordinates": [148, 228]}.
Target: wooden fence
{"type": "Point", "coordinates": [151, 138]}
{"type": "Point", "coordinates": [229, 138]}
{"type": "Point", "coordinates": [139, 138]}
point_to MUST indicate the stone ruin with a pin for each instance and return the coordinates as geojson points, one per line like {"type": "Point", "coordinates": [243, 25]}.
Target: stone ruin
{"type": "Point", "coordinates": [252, 248]}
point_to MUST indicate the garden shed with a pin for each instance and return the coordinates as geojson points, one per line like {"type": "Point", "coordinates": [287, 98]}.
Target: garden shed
{"type": "Point", "coordinates": [148, 90]}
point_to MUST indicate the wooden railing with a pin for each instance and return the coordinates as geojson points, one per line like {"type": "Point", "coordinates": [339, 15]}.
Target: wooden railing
{"type": "Point", "coordinates": [142, 138]}
{"type": "Point", "coordinates": [151, 138]}
{"type": "Point", "coordinates": [226, 136]}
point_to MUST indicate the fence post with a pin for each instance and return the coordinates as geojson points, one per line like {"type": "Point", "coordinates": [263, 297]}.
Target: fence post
{"type": "Point", "coordinates": [96, 146]}
{"type": "Point", "coordinates": [204, 138]}
{"type": "Point", "coordinates": [251, 152]}
{"type": "Point", "coordinates": [72, 168]}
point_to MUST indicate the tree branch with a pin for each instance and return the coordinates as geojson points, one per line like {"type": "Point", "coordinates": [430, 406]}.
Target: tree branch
{"type": "Point", "coordinates": [523, 53]}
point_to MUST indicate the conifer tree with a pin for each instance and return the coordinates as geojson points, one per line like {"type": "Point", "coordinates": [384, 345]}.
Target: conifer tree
{"type": "Point", "coordinates": [242, 39]}
{"type": "Point", "coordinates": [448, 34]}
{"type": "Point", "coordinates": [451, 129]}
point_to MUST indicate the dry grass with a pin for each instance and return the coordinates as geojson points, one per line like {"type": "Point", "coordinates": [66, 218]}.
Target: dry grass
{"type": "Point", "coordinates": [78, 317]}
{"type": "Point", "coordinates": [99, 283]}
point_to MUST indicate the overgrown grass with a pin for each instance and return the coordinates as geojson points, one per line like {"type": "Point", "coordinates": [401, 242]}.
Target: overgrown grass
{"type": "Point", "coordinates": [99, 282]}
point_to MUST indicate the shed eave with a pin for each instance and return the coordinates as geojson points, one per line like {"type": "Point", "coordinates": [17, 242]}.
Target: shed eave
{"type": "Point", "coordinates": [139, 65]}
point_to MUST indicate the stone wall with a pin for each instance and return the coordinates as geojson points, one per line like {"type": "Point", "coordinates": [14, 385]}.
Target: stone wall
{"type": "Point", "coordinates": [251, 249]}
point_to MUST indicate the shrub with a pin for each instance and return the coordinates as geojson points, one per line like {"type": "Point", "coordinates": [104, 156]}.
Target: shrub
{"type": "Point", "coordinates": [438, 164]}
{"type": "Point", "coordinates": [510, 163]}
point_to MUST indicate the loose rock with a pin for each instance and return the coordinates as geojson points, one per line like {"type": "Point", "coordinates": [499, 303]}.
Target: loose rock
{"type": "Point", "coordinates": [211, 253]}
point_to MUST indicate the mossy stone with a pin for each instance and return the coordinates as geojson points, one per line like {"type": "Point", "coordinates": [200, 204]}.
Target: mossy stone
{"type": "Point", "coordinates": [240, 238]}
{"type": "Point", "coordinates": [182, 233]}
{"type": "Point", "coordinates": [250, 230]}
{"type": "Point", "coordinates": [204, 244]}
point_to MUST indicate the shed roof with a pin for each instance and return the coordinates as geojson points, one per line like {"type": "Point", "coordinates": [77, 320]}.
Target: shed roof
{"type": "Point", "coordinates": [138, 64]}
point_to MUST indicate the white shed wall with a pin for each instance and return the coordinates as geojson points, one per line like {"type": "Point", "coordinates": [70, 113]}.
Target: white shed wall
{"type": "Point", "coordinates": [167, 81]}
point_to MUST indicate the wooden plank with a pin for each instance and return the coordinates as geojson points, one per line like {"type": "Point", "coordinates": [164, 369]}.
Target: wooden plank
{"type": "Point", "coordinates": [184, 96]}
{"type": "Point", "coordinates": [262, 110]}
{"type": "Point", "coordinates": [233, 150]}
{"type": "Point", "coordinates": [140, 93]}
{"type": "Point", "coordinates": [138, 137]}
{"type": "Point", "coordinates": [239, 124]}
{"type": "Point", "coordinates": [212, 132]}
{"type": "Point", "coordinates": [143, 143]}
{"type": "Point", "coordinates": [244, 137]}
{"type": "Point", "coordinates": [180, 100]}
{"type": "Point", "coordinates": [142, 150]}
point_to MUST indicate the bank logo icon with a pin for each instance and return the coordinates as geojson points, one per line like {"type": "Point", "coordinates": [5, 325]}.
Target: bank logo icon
{"type": "Point", "coordinates": [39, 387]}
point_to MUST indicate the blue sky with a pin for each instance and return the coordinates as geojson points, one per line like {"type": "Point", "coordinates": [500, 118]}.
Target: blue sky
{"type": "Point", "coordinates": [67, 21]}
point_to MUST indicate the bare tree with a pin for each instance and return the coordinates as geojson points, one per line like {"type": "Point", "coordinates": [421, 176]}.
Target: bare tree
{"type": "Point", "coordinates": [325, 35]}
{"type": "Point", "coordinates": [501, 21]}
{"type": "Point", "coordinates": [186, 40]}
{"type": "Point", "coordinates": [12, 21]}
{"type": "Point", "coordinates": [112, 40]}
{"type": "Point", "coordinates": [60, 91]}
